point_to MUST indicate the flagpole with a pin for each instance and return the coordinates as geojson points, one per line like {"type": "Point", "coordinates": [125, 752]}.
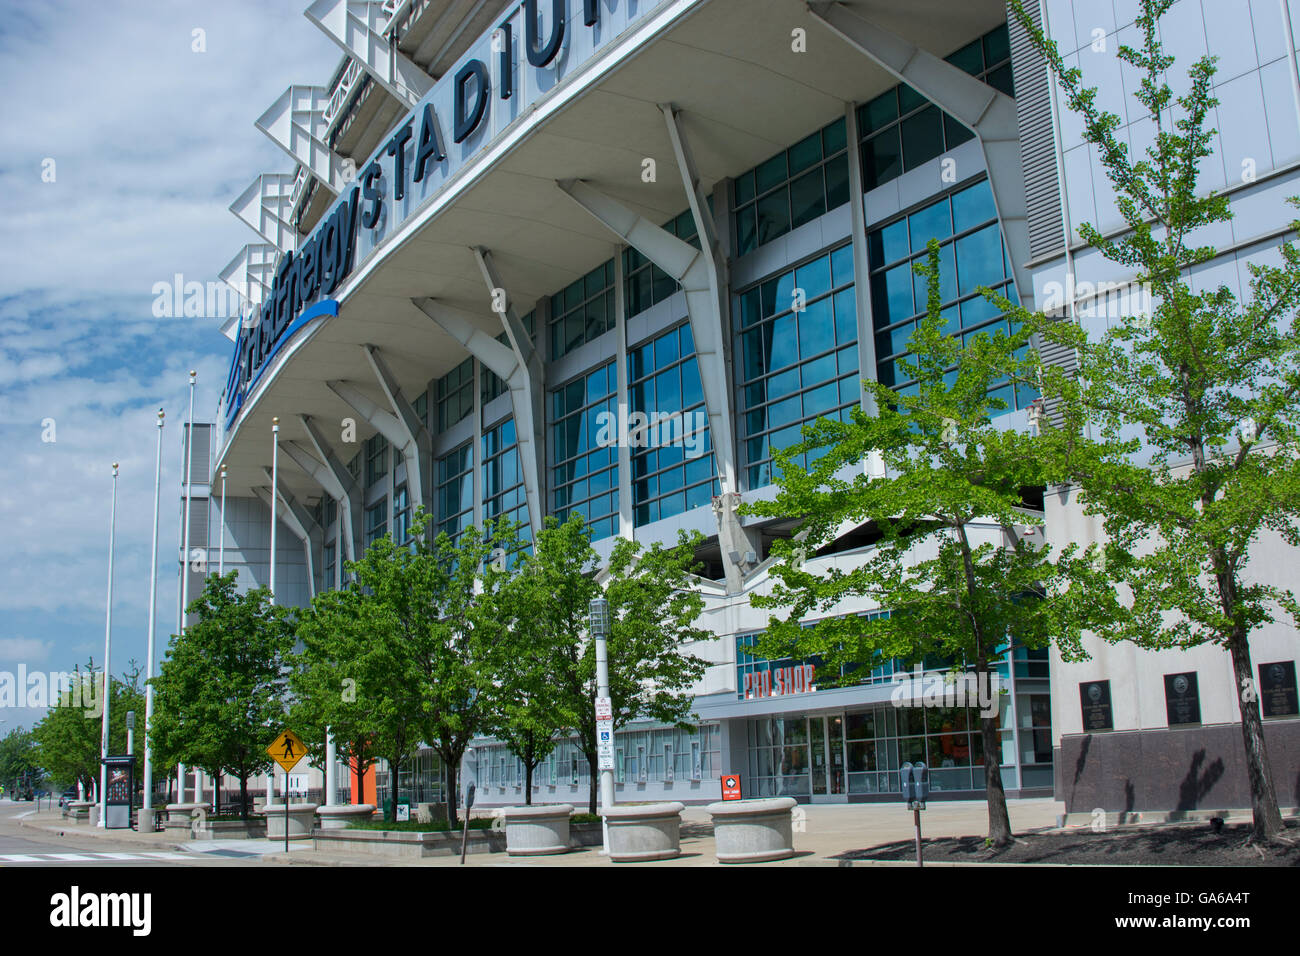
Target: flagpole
{"type": "Point", "coordinates": [108, 646]}
{"type": "Point", "coordinates": [275, 495]}
{"type": "Point", "coordinates": [221, 528]}
{"type": "Point", "coordinates": [185, 555]}
{"type": "Point", "coordinates": [147, 809]}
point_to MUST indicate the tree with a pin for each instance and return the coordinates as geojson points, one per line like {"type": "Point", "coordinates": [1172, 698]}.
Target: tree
{"type": "Point", "coordinates": [68, 737]}
{"type": "Point", "coordinates": [471, 619]}
{"type": "Point", "coordinates": [955, 574]}
{"type": "Point", "coordinates": [529, 704]}
{"type": "Point", "coordinates": [363, 670]}
{"type": "Point", "coordinates": [1182, 429]}
{"type": "Point", "coordinates": [653, 609]}
{"type": "Point", "coordinates": [220, 693]}
{"type": "Point", "coordinates": [19, 766]}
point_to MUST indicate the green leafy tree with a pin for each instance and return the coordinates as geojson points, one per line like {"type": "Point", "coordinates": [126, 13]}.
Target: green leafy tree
{"type": "Point", "coordinates": [68, 737]}
{"type": "Point", "coordinates": [653, 609]}
{"type": "Point", "coordinates": [953, 565]}
{"type": "Point", "coordinates": [1182, 429]}
{"type": "Point", "coordinates": [528, 703]}
{"type": "Point", "coordinates": [466, 584]}
{"type": "Point", "coordinates": [220, 693]}
{"type": "Point", "coordinates": [364, 666]}
{"type": "Point", "coordinates": [19, 764]}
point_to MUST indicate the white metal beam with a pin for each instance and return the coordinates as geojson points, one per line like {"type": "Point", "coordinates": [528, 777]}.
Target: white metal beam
{"type": "Point", "coordinates": [265, 205]}
{"type": "Point", "coordinates": [695, 272]}
{"type": "Point", "coordinates": [296, 123]}
{"type": "Point", "coordinates": [416, 445]}
{"type": "Point", "coordinates": [337, 481]}
{"type": "Point", "coordinates": [525, 392]}
{"type": "Point", "coordinates": [299, 521]}
{"type": "Point", "coordinates": [989, 113]}
{"type": "Point", "coordinates": [359, 28]}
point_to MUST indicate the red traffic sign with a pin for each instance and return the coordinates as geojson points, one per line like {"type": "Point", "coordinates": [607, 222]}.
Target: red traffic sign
{"type": "Point", "coordinates": [731, 786]}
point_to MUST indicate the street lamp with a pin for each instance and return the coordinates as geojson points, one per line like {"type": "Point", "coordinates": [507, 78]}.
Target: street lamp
{"type": "Point", "coordinates": [598, 621]}
{"type": "Point", "coordinates": [108, 647]}
{"type": "Point", "coordinates": [147, 774]}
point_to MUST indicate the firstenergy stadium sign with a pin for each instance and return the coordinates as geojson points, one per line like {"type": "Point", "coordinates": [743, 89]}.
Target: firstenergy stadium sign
{"type": "Point", "coordinates": [531, 52]}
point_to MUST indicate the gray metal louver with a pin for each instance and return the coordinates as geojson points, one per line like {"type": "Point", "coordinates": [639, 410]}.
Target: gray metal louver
{"type": "Point", "coordinates": [1037, 138]}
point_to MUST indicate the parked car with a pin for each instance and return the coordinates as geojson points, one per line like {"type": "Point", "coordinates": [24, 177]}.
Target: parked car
{"type": "Point", "coordinates": [67, 797]}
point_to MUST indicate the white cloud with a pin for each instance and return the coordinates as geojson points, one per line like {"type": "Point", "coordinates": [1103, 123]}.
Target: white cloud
{"type": "Point", "coordinates": [151, 142]}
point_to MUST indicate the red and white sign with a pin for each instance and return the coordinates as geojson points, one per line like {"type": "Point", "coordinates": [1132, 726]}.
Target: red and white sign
{"type": "Point", "coordinates": [731, 786]}
{"type": "Point", "coordinates": [777, 681]}
{"type": "Point", "coordinates": [604, 708]}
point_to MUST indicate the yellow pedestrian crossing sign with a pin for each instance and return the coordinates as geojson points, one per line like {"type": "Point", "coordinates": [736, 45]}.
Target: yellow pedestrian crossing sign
{"type": "Point", "coordinates": [287, 750]}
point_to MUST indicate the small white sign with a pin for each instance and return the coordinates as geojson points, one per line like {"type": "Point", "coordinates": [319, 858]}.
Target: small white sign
{"type": "Point", "coordinates": [605, 744]}
{"type": "Point", "coordinates": [403, 813]}
{"type": "Point", "coordinates": [604, 709]}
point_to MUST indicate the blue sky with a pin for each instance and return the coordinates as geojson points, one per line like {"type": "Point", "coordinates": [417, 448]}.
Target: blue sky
{"type": "Point", "coordinates": [150, 140]}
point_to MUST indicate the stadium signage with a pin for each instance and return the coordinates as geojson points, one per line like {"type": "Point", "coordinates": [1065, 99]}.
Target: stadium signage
{"type": "Point", "coordinates": [531, 52]}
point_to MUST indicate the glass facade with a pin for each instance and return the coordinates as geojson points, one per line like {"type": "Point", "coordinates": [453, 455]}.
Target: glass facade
{"type": "Point", "coordinates": [584, 311]}
{"type": "Point", "coordinates": [401, 515]}
{"type": "Point", "coordinates": [797, 356]}
{"type": "Point", "coordinates": [644, 283]}
{"type": "Point", "coordinates": [503, 479]}
{"type": "Point", "coordinates": [971, 254]}
{"type": "Point", "coordinates": [376, 522]}
{"type": "Point", "coordinates": [860, 752]}
{"type": "Point", "coordinates": [584, 473]}
{"type": "Point", "coordinates": [376, 459]}
{"type": "Point", "coordinates": [792, 188]}
{"type": "Point", "coordinates": [665, 755]}
{"type": "Point", "coordinates": [455, 394]}
{"type": "Point", "coordinates": [674, 469]}
{"type": "Point", "coordinates": [901, 129]}
{"type": "Point", "coordinates": [455, 493]}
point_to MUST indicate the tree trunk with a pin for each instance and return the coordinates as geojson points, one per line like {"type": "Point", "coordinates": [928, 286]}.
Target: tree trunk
{"type": "Point", "coordinates": [393, 767]}
{"type": "Point", "coordinates": [528, 784]}
{"type": "Point", "coordinates": [216, 794]}
{"type": "Point", "coordinates": [995, 795]}
{"type": "Point", "coordinates": [452, 770]}
{"type": "Point", "coordinates": [1263, 796]}
{"type": "Point", "coordinates": [999, 821]}
{"type": "Point", "coordinates": [243, 796]}
{"type": "Point", "coordinates": [595, 777]}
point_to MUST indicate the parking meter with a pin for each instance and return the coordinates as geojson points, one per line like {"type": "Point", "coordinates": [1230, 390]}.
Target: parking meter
{"type": "Point", "coordinates": [915, 784]}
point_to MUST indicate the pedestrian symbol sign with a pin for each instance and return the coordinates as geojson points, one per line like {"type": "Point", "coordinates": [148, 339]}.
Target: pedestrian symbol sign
{"type": "Point", "coordinates": [287, 750]}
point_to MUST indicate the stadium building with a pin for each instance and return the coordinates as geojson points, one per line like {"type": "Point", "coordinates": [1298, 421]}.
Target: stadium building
{"type": "Point", "coordinates": [505, 225]}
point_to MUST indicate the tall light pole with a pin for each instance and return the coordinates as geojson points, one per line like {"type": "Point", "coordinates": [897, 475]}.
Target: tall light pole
{"type": "Point", "coordinates": [185, 556]}
{"type": "Point", "coordinates": [275, 495]}
{"type": "Point", "coordinates": [147, 810]}
{"type": "Point", "coordinates": [221, 528]}
{"type": "Point", "coordinates": [108, 647]}
{"type": "Point", "coordinates": [599, 626]}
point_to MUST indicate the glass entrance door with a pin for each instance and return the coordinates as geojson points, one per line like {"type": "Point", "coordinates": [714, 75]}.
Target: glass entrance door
{"type": "Point", "coordinates": [826, 742]}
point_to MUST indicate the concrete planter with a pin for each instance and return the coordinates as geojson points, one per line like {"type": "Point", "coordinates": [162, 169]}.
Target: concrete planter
{"type": "Point", "coordinates": [254, 828]}
{"type": "Point", "coordinates": [537, 831]}
{"type": "Point", "coordinates": [339, 816]}
{"type": "Point", "coordinates": [301, 821]}
{"type": "Point", "coordinates": [182, 813]}
{"type": "Point", "coordinates": [751, 831]}
{"type": "Point", "coordinates": [405, 844]}
{"type": "Point", "coordinates": [150, 821]}
{"type": "Point", "coordinates": [650, 832]}
{"type": "Point", "coordinates": [78, 811]}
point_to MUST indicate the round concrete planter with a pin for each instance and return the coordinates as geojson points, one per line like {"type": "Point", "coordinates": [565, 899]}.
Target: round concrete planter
{"type": "Point", "coordinates": [183, 812]}
{"type": "Point", "coordinates": [302, 818]}
{"type": "Point", "coordinates": [650, 832]}
{"type": "Point", "coordinates": [340, 816]}
{"type": "Point", "coordinates": [537, 831]}
{"type": "Point", "coordinates": [751, 831]}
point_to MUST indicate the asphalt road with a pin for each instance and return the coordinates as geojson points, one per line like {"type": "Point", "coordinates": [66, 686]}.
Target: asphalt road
{"type": "Point", "coordinates": [31, 846]}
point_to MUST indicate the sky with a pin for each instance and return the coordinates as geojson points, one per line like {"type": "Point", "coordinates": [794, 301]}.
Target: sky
{"type": "Point", "coordinates": [125, 133]}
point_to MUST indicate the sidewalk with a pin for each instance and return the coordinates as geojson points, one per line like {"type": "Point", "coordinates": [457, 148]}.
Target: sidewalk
{"type": "Point", "coordinates": [821, 832]}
